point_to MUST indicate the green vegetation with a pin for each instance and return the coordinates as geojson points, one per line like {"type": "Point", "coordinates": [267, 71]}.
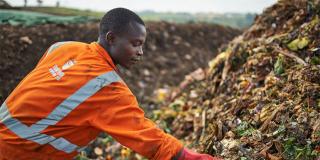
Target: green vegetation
{"type": "Point", "coordinates": [29, 18]}
{"type": "Point", "coordinates": [65, 11]}
{"type": "Point", "coordinates": [244, 129]}
{"type": "Point", "coordinates": [292, 150]}
{"type": "Point", "coordinates": [234, 20]}
{"type": "Point", "coordinates": [279, 66]}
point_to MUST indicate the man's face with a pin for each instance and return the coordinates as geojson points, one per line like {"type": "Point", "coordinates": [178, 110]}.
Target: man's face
{"type": "Point", "coordinates": [126, 48]}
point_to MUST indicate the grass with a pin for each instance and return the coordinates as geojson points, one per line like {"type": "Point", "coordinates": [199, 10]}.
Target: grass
{"type": "Point", "coordinates": [62, 11]}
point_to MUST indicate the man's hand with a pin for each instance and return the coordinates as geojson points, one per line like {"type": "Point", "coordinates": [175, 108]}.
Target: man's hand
{"type": "Point", "coordinates": [186, 154]}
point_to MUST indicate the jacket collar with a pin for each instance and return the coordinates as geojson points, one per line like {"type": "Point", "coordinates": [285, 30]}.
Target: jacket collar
{"type": "Point", "coordinates": [104, 54]}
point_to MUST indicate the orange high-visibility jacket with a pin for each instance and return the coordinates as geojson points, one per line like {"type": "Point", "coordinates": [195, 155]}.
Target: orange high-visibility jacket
{"type": "Point", "coordinates": [72, 95]}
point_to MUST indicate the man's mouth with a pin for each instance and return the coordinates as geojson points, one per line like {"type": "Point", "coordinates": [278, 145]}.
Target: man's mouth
{"type": "Point", "coordinates": [137, 59]}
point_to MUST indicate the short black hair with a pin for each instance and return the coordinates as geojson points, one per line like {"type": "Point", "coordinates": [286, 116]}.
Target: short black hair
{"type": "Point", "coordinates": [117, 20]}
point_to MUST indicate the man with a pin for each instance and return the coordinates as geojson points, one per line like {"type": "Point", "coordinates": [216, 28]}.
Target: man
{"type": "Point", "coordinates": [75, 92]}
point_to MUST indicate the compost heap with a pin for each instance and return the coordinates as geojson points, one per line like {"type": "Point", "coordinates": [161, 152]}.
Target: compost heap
{"type": "Point", "coordinates": [260, 97]}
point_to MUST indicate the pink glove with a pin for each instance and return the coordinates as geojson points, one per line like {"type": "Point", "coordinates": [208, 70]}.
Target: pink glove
{"type": "Point", "coordinates": [190, 155]}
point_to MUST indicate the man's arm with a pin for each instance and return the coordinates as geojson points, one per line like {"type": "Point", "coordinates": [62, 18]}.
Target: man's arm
{"type": "Point", "coordinates": [124, 120]}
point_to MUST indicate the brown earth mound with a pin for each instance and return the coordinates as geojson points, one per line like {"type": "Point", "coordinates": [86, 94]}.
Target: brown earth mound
{"type": "Point", "coordinates": [171, 51]}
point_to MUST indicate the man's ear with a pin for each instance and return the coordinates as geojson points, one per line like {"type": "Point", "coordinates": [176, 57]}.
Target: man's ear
{"type": "Point", "coordinates": [110, 37]}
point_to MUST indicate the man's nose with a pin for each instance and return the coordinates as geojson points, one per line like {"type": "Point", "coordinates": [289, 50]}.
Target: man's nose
{"type": "Point", "coordinates": [140, 51]}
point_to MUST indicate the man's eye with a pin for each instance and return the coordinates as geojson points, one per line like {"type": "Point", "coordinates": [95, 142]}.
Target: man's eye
{"type": "Point", "coordinates": [136, 44]}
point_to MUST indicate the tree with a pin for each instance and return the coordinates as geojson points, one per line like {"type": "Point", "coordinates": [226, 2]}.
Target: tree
{"type": "Point", "coordinates": [58, 4]}
{"type": "Point", "coordinates": [39, 2]}
{"type": "Point", "coordinates": [4, 4]}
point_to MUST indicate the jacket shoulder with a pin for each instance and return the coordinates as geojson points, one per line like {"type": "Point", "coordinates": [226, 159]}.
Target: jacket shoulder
{"type": "Point", "coordinates": [69, 45]}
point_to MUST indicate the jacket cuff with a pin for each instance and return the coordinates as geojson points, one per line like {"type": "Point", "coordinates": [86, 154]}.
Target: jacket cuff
{"type": "Point", "coordinates": [169, 148]}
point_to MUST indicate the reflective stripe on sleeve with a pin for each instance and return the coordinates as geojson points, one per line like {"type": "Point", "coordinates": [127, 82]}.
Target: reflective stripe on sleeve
{"type": "Point", "coordinates": [32, 133]}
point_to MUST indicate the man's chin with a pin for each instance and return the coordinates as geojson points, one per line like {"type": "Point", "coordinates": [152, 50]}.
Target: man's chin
{"type": "Point", "coordinates": [126, 66]}
{"type": "Point", "coordinates": [129, 65]}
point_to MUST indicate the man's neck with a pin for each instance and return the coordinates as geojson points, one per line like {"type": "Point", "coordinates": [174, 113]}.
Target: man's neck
{"type": "Point", "coordinates": [103, 44]}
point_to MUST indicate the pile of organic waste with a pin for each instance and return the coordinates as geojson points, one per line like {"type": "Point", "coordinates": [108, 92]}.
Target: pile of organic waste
{"type": "Point", "coordinates": [260, 97]}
